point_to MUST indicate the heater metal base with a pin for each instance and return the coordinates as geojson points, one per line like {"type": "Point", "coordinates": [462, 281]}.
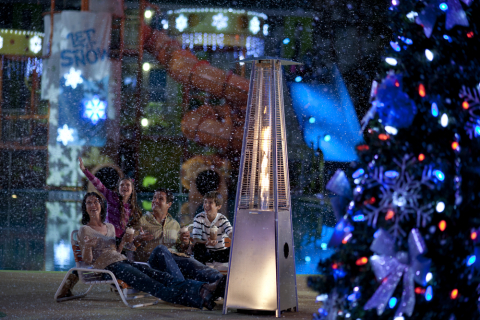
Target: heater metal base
{"type": "Point", "coordinates": [262, 267]}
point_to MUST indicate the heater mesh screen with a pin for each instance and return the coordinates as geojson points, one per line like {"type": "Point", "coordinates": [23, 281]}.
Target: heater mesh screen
{"type": "Point", "coordinates": [265, 111]}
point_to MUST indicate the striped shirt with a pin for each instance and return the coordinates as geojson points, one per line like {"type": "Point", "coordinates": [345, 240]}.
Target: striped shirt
{"type": "Point", "coordinates": [201, 229]}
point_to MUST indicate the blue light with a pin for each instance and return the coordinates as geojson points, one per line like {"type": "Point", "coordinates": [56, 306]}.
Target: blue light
{"type": "Point", "coordinates": [408, 41]}
{"type": "Point", "coordinates": [439, 175]}
{"type": "Point", "coordinates": [434, 110]}
{"type": "Point", "coordinates": [477, 131]}
{"type": "Point", "coordinates": [286, 41]}
{"type": "Point", "coordinates": [298, 79]}
{"type": "Point", "coordinates": [376, 234]}
{"type": "Point", "coordinates": [358, 173]}
{"type": "Point", "coordinates": [428, 293]}
{"type": "Point", "coordinates": [392, 302]}
{"type": "Point", "coordinates": [311, 120]}
{"type": "Point", "coordinates": [447, 38]}
{"type": "Point", "coordinates": [443, 6]}
{"type": "Point", "coordinates": [395, 46]}
{"type": "Point", "coordinates": [324, 246]}
{"type": "Point", "coordinates": [308, 259]}
{"type": "Point", "coordinates": [471, 260]}
{"type": "Point", "coordinates": [391, 174]}
{"type": "Point", "coordinates": [352, 297]}
{"type": "Point", "coordinates": [327, 138]}
{"type": "Point", "coordinates": [359, 217]}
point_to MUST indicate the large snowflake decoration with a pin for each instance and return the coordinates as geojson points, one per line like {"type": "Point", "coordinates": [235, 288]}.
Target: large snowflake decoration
{"type": "Point", "coordinates": [35, 44]}
{"type": "Point", "coordinates": [65, 135]}
{"type": "Point", "coordinates": [181, 22]}
{"type": "Point", "coordinates": [220, 21]}
{"type": "Point", "coordinates": [399, 196]}
{"type": "Point", "coordinates": [472, 104]}
{"type": "Point", "coordinates": [254, 25]}
{"type": "Point", "coordinates": [73, 78]}
{"type": "Point", "coordinates": [95, 109]}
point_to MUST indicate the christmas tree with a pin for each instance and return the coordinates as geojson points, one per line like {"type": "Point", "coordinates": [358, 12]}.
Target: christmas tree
{"type": "Point", "coordinates": [408, 209]}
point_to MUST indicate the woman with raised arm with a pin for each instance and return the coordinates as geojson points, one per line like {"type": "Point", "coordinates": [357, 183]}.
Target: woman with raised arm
{"type": "Point", "coordinates": [122, 207]}
{"type": "Point", "coordinates": [98, 245]}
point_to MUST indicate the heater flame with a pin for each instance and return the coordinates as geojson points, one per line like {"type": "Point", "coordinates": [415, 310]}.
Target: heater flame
{"type": "Point", "coordinates": [264, 174]}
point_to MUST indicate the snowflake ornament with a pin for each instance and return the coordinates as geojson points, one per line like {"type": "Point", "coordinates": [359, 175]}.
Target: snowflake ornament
{"type": "Point", "coordinates": [399, 196]}
{"type": "Point", "coordinates": [472, 104]}
{"type": "Point", "coordinates": [254, 25]}
{"type": "Point", "coordinates": [181, 23]}
{"type": "Point", "coordinates": [73, 78]}
{"type": "Point", "coordinates": [35, 44]}
{"type": "Point", "coordinates": [95, 110]}
{"type": "Point", "coordinates": [65, 135]}
{"type": "Point", "coordinates": [220, 21]}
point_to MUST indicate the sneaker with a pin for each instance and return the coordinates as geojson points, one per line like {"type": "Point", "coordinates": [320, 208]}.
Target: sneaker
{"type": "Point", "coordinates": [68, 286]}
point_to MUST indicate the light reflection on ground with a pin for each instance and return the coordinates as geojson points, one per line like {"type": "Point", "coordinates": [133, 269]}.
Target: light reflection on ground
{"type": "Point", "coordinates": [35, 229]}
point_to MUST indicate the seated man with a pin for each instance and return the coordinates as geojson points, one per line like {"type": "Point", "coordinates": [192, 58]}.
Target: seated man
{"type": "Point", "coordinates": [163, 233]}
{"type": "Point", "coordinates": [209, 230]}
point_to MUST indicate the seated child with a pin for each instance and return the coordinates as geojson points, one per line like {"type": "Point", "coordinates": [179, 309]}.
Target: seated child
{"type": "Point", "coordinates": [209, 230]}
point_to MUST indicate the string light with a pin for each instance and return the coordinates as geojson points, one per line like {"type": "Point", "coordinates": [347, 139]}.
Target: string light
{"type": "Point", "coordinates": [442, 225]}
{"type": "Point", "coordinates": [383, 136]}
{"type": "Point", "coordinates": [428, 293]}
{"type": "Point", "coordinates": [465, 105]}
{"type": "Point", "coordinates": [392, 302]}
{"type": "Point", "coordinates": [362, 261]}
{"type": "Point", "coordinates": [335, 266]}
{"type": "Point", "coordinates": [421, 157]}
{"type": "Point", "coordinates": [434, 110]}
{"type": "Point", "coordinates": [471, 260]}
{"type": "Point", "coordinates": [454, 145]}
{"type": "Point", "coordinates": [444, 120]}
{"type": "Point", "coordinates": [454, 294]}
{"type": "Point", "coordinates": [419, 290]}
{"type": "Point", "coordinates": [390, 214]}
{"type": "Point", "coordinates": [470, 34]}
{"type": "Point", "coordinates": [347, 237]}
{"type": "Point", "coordinates": [473, 235]}
{"type": "Point", "coordinates": [440, 207]}
{"type": "Point", "coordinates": [443, 6]}
{"type": "Point", "coordinates": [391, 61]}
{"type": "Point", "coordinates": [429, 55]}
{"type": "Point", "coordinates": [428, 277]}
{"type": "Point", "coordinates": [358, 173]}
{"type": "Point", "coordinates": [421, 90]}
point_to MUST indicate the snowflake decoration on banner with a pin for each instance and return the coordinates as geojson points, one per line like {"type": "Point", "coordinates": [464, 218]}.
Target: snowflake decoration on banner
{"type": "Point", "coordinates": [472, 104]}
{"type": "Point", "coordinates": [65, 135]}
{"type": "Point", "coordinates": [219, 21]}
{"type": "Point", "coordinates": [35, 44]}
{"type": "Point", "coordinates": [73, 78]}
{"type": "Point", "coordinates": [254, 25]}
{"type": "Point", "coordinates": [95, 110]}
{"type": "Point", "coordinates": [181, 23]}
{"type": "Point", "coordinates": [400, 195]}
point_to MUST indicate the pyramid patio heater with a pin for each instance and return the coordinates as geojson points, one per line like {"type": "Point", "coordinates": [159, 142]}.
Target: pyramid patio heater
{"type": "Point", "coordinates": [261, 274]}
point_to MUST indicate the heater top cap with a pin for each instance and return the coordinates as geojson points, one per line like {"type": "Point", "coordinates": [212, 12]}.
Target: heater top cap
{"type": "Point", "coordinates": [284, 62]}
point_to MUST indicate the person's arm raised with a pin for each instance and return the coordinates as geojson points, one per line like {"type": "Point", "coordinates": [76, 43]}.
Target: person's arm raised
{"type": "Point", "coordinates": [108, 194]}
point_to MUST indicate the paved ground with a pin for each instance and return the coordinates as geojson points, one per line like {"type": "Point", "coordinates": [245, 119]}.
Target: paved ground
{"type": "Point", "coordinates": [29, 295]}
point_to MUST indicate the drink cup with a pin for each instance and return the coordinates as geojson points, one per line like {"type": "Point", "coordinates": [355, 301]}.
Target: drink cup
{"type": "Point", "coordinates": [213, 233]}
{"type": "Point", "coordinates": [129, 232]}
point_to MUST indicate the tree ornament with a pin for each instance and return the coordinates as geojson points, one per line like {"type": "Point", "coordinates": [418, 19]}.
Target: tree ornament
{"type": "Point", "coordinates": [454, 15]}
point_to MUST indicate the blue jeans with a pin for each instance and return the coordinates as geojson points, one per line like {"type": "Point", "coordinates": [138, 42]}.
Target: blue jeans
{"type": "Point", "coordinates": [161, 259]}
{"type": "Point", "coordinates": [159, 284]}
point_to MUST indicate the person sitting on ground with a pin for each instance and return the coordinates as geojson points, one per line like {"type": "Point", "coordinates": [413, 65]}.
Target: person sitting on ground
{"type": "Point", "coordinates": [122, 206]}
{"type": "Point", "coordinates": [164, 231]}
{"type": "Point", "coordinates": [98, 245]}
{"type": "Point", "coordinates": [209, 230]}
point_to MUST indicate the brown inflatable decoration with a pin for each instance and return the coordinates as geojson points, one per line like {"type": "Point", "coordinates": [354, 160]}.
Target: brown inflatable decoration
{"type": "Point", "coordinates": [202, 174]}
{"type": "Point", "coordinates": [185, 68]}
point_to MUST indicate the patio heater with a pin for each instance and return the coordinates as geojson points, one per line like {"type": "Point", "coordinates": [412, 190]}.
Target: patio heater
{"type": "Point", "coordinates": [261, 273]}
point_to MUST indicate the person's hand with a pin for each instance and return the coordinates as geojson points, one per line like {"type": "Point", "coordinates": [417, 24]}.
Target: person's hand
{"type": "Point", "coordinates": [143, 236]}
{"type": "Point", "coordinates": [82, 167]}
{"type": "Point", "coordinates": [90, 242]}
{"type": "Point", "coordinates": [127, 237]}
{"type": "Point", "coordinates": [211, 242]}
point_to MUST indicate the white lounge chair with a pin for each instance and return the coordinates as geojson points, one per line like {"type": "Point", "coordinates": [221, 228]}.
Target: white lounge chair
{"type": "Point", "coordinates": [90, 276]}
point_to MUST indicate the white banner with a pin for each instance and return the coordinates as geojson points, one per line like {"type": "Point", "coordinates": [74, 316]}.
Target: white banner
{"type": "Point", "coordinates": [80, 48]}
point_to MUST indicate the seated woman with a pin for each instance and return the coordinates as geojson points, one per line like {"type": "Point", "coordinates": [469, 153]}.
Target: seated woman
{"type": "Point", "coordinates": [97, 241]}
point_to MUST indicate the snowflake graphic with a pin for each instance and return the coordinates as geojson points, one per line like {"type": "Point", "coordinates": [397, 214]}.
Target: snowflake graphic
{"type": "Point", "coordinates": [472, 103]}
{"type": "Point", "coordinates": [1, 42]}
{"type": "Point", "coordinates": [254, 25]}
{"type": "Point", "coordinates": [73, 78]}
{"type": "Point", "coordinates": [220, 21]}
{"type": "Point", "coordinates": [95, 109]}
{"type": "Point", "coordinates": [35, 44]}
{"type": "Point", "coordinates": [181, 23]}
{"type": "Point", "coordinates": [65, 135]}
{"type": "Point", "coordinates": [399, 196]}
